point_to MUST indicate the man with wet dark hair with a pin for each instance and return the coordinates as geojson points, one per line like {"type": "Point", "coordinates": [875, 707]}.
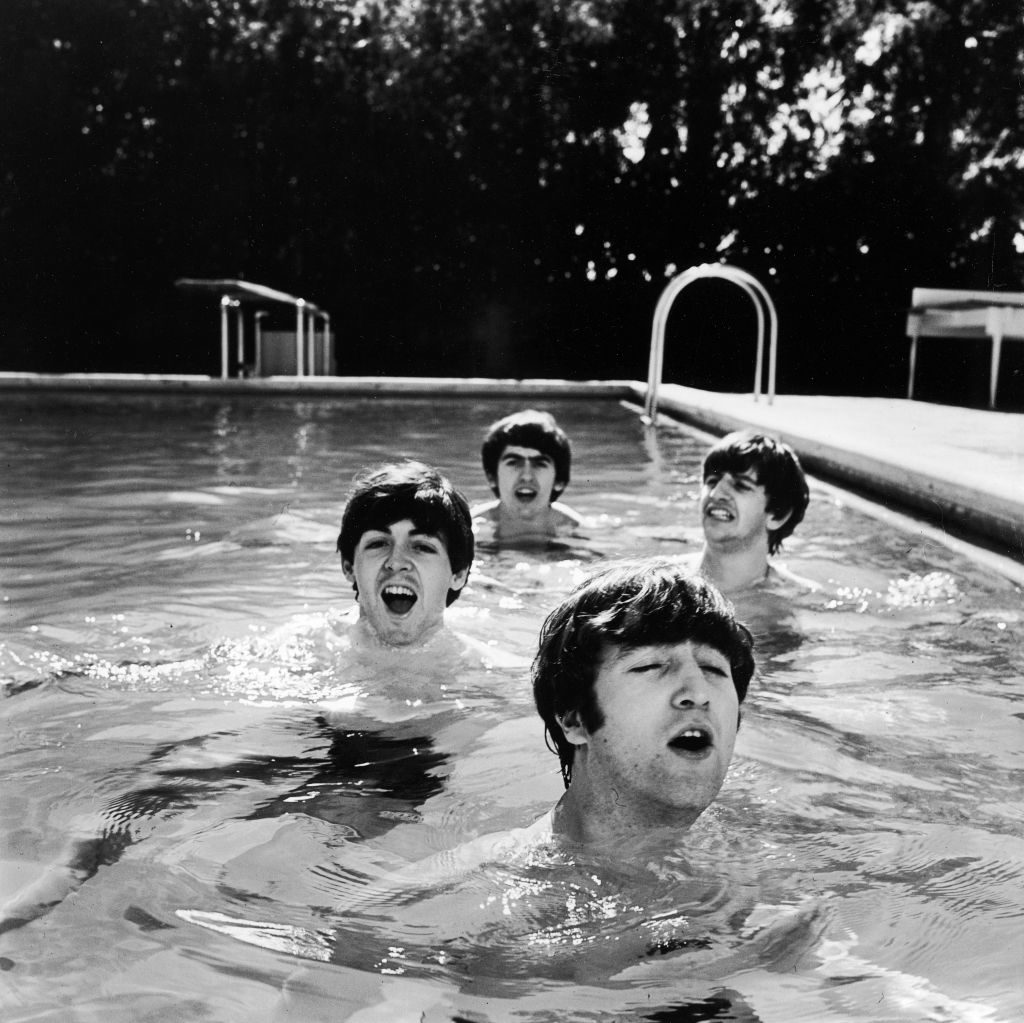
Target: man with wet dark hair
{"type": "Point", "coordinates": [639, 678]}
{"type": "Point", "coordinates": [527, 459]}
{"type": "Point", "coordinates": [406, 545]}
{"type": "Point", "coordinates": [753, 495]}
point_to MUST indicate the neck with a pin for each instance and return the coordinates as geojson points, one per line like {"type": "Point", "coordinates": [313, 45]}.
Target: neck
{"type": "Point", "coordinates": [366, 637]}
{"type": "Point", "coordinates": [512, 526]}
{"type": "Point", "coordinates": [605, 825]}
{"type": "Point", "coordinates": [735, 569]}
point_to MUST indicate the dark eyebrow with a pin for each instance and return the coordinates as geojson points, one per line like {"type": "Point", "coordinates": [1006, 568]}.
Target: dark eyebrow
{"type": "Point", "coordinates": [750, 475]}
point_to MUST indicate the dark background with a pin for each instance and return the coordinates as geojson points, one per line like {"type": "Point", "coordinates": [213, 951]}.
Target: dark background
{"type": "Point", "coordinates": [452, 181]}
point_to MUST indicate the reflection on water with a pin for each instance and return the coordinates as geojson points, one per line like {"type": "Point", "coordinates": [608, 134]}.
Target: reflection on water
{"type": "Point", "coordinates": [234, 855]}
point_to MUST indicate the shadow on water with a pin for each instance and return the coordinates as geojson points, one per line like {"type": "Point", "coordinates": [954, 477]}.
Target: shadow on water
{"type": "Point", "coordinates": [727, 1005]}
{"type": "Point", "coordinates": [362, 768]}
{"type": "Point", "coordinates": [367, 782]}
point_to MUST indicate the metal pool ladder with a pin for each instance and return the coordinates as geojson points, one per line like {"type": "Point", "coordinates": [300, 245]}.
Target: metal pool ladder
{"type": "Point", "coordinates": [762, 302]}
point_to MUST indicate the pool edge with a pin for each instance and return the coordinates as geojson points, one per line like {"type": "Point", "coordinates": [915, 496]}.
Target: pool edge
{"type": "Point", "coordinates": [314, 386]}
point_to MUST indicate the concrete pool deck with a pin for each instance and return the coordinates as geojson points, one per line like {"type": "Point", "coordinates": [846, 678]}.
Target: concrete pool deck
{"type": "Point", "coordinates": [960, 468]}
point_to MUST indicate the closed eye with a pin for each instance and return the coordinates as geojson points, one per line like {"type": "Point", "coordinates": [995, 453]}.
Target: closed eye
{"type": "Point", "coordinates": [639, 669]}
{"type": "Point", "coordinates": [715, 669]}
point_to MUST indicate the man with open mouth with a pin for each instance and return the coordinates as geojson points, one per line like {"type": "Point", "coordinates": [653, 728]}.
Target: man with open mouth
{"type": "Point", "coordinates": [639, 679]}
{"type": "Point", "coordinates": [753, 495]}
{"type": "Point", "coordinates": [527, 458]}
{"type": "Point", "coordinates": [406, 545]}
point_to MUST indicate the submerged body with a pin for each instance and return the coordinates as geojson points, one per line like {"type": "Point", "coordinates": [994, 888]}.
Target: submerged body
{"type": "Point", "coordinates": [135, 660]}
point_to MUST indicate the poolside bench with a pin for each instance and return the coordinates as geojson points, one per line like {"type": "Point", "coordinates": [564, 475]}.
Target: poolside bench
{"type": "Point", "coordinates": [947, 312]}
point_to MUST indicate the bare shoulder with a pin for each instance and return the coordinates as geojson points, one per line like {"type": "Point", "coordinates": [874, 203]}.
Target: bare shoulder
{"type": "Point", "coordinates": [781, 577]}
{"type": "Point", "coordinates": [487, 654]}
{"type": "Point", "coordinates": [687, 562]}
{"type": "Point", "coordinates": [496, 847]}
{"type": "Point", "coordinates": [565, 517]}
{"type": "Point", "coordinates": [487, 510]}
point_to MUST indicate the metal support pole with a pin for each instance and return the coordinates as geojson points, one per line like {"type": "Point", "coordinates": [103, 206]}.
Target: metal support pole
{"type": "Point", "coordinates": [327, 344]}
{"type": "Point", "coordinates": [225, 302]}
{"type": "Point", "coordinates": [913, 357]}
{"type": "Point", "coordinates": [311, 342]}
{"type": "Point", "coordinates": [239, 338]}
{"type": "Point", "coordinates": [300, 341]}
{"type": "Point", "coordinates": [993, 377]}
{"type": "Point", "coordinates": [258, 342]}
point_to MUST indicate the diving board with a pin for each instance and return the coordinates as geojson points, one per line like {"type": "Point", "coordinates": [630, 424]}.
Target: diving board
{"type": "Point", "coordinates": [235, 293]}
{"type": "Point", "coordinates": [948, 312]}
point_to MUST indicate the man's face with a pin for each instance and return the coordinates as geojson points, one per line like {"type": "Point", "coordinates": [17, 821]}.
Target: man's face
{"type": "Point", "coordinates": [403, 577]}
{"type": "Point", "coordinates": [670, 719]}
{"type": "Point", "coordinates": [733, 509]}
{"type": "Point", "coordinates": [525, 481]}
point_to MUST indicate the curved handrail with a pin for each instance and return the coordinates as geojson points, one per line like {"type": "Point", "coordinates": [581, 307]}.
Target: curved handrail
{"type": "Point", "coordinates": [759, 296]}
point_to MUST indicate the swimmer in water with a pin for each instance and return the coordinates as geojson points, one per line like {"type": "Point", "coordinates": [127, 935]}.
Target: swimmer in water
{"type": "Point", "coordinates": [406, 546]}
{"type": "Point", "coordinates": [639, 679]}
{"type": "Point", "coordinates": [753, 496]}
{"type": "Point", "coordinates": [527, 458]}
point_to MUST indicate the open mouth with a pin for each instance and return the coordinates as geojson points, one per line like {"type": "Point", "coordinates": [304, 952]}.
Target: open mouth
{"type": "Point", "coordinates": [398, 599]}
{"type": "Point", "coordinates": [719, 513]}
{"type": "Point", "coordinates": [694, 742]}
{"type": "Point", "coordinates": [526, 494]}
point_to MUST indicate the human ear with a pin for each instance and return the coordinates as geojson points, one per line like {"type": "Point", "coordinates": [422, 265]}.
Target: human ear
{"type": "Point", "coordinates": [774, 522]}
{"type": "Point", "coordinates": [459, 579]}
{"type": "Point", "coordinates": [492, 482]}
{"type": "Point", "coordinates": [572, 727]}
{"type": "Point", "coordinates": [347, 568]}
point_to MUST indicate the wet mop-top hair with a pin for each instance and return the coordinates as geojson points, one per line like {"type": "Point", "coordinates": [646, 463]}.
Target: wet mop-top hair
{"type": "Point", "coordinates": [529, 429]}
{"type": "Point", "coordinates": [627, 605]}
{"type": "Point", "coordinates": [409, 490]}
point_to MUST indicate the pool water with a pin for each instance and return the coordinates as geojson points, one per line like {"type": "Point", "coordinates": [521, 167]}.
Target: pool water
{"type": "Point", "coordinates": [241, 857]}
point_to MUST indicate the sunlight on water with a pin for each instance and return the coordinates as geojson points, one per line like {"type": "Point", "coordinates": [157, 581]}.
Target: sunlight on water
{"type": "Point", "coordinates": [258, 837]}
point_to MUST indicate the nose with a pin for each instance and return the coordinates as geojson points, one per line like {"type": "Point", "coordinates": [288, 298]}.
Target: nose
{"type": "Point", "coordinates": [718, 487]}
{"type": "Point", "coordinates": [398, 558]}
{"type": "Point", "coordinates": [689, 686]}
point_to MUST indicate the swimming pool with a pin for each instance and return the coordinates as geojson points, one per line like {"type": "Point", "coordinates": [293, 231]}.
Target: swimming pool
{"type": "Point", "coordinates": [155, 544]}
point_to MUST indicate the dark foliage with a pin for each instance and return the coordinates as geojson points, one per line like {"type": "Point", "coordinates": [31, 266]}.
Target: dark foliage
{"type": "Point", "coordinates": [503, 187]}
